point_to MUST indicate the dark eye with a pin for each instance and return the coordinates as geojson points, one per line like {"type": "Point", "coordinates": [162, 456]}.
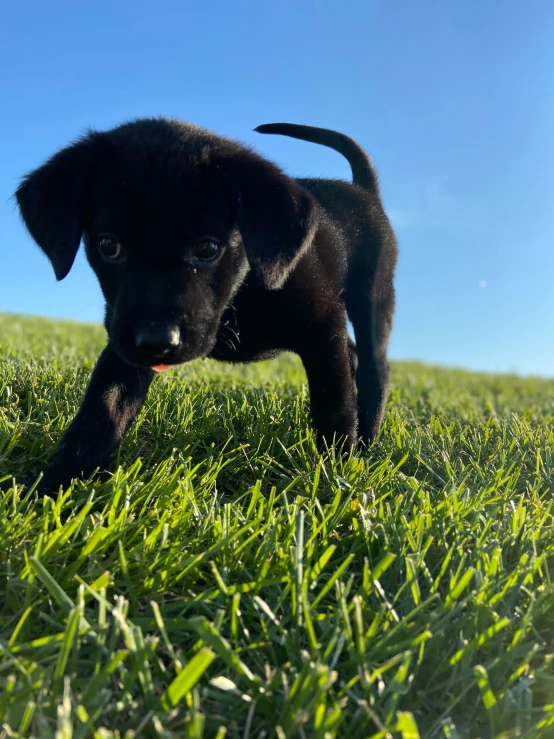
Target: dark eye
{"type": "Point", "coordinates": [110, 248]}
{"type": "Point", "coordinates": [207, 251]}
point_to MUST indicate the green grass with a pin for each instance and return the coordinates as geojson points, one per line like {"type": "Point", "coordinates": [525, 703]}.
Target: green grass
{"type": "Point", "coordinates": [229, 581]}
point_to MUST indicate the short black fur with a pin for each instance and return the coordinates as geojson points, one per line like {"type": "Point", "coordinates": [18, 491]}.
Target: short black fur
{"type": "Point", "coordinates": [293, 258]}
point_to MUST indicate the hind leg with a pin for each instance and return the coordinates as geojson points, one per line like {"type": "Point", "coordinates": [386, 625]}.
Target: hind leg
{"type": "Point", "coordinates": [370, 311]}
{"type": "Point", "coordinates": [373, 383]}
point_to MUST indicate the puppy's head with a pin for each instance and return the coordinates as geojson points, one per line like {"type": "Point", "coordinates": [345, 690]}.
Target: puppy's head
{"type": "Point", "coordinates": [173, 218]}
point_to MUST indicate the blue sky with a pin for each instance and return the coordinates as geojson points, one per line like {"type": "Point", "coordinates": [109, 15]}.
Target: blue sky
{"type": "Point", "coordinates": [454, 101]}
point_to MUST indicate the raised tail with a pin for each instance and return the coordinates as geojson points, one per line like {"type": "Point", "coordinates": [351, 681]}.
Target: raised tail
{"type": "Point", "coordinates": [363, 173]}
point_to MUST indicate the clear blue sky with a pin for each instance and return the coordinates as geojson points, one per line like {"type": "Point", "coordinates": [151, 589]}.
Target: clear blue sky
{"type": "Point", "coordinates": [454, 101]}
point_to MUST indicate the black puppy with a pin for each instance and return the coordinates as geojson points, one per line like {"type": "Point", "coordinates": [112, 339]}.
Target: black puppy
{"type": "Point", "coordinates": [204, 249]}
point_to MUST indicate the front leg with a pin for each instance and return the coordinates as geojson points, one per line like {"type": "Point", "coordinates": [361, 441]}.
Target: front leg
{"type": "Point", "coordinates": [113, 398]}
{"type": "Point", "coordinates": [327, 361]}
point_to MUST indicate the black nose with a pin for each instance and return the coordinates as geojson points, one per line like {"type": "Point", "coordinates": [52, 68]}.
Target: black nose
{"type": "Point", "coordinates": [157, 339]}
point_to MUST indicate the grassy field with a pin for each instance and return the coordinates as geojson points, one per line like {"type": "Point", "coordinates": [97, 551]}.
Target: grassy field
{"type": "Point", "coordinates": [229, 581]}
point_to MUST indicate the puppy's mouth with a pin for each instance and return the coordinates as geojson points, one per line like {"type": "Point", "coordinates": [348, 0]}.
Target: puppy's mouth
{"type": "Point", "coordinates": [163, 361]}
{"type": "Point", "coordinates": [163, 367]}
{"type": "Point", "coordinates": [157, 355]}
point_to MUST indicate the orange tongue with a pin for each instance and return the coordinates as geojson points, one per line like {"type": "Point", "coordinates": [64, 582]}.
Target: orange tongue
{"type": "Point", "coordinates": [161, 367]}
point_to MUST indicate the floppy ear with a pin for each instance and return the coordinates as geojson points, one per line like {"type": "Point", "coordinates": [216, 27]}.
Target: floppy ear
{"type": "Point", "coordinates": [51, 201]}
{"type": "Point", "coordinates": [276, 218]}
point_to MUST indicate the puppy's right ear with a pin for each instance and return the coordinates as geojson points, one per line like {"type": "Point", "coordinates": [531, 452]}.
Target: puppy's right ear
{"type": "Point", "coordinates": [51, 201]}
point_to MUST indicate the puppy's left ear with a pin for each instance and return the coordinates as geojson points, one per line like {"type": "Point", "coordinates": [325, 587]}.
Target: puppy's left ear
{"type": "Point", "coordinates": [51, 201]}
{"type": "Point", "coordinates": [276, 218]}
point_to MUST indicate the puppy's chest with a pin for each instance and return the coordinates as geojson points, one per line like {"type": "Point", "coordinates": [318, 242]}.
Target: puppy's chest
{"type": "Point", "coordinates": [247, 332]}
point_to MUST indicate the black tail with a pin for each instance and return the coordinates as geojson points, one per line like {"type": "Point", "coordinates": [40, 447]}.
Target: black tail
{"type": "Point", "coordinates": [363, 174]}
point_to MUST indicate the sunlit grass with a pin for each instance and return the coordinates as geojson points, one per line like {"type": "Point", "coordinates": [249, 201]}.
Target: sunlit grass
{"type": "Point", "coordinates": [229, 581]}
